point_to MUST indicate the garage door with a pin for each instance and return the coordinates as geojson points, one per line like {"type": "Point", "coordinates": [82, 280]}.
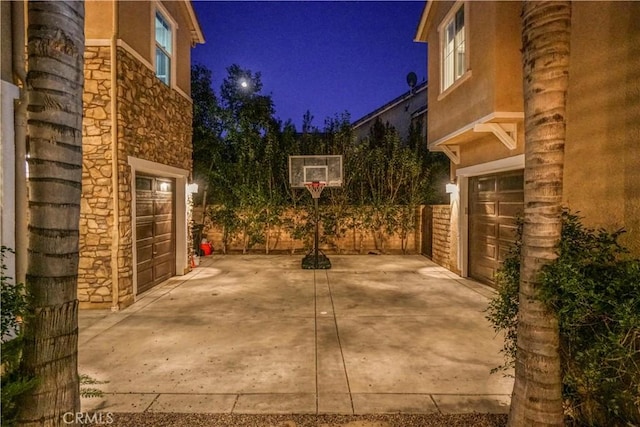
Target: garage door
{"type": "Point", "coordinates": [494, 203]}
{"type": "Point", "coordinates": [155, 231]}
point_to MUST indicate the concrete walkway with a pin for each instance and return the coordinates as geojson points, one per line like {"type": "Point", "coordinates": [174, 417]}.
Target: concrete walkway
{"type": "Point", "coordinates": [257, 334]}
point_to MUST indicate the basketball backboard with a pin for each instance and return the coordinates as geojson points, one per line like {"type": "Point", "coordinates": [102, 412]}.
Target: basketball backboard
{"type": "Point", "coordinates": [305, 169]}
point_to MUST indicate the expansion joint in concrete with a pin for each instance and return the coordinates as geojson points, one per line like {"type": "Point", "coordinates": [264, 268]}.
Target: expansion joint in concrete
{"type": "Point", "coordinates": [435, 403]}
{"type": "Point", "coordinates": [335, 321]}
{"type": "Point", "coordinates": [315, 330]}
{"type": "Point", "coordinates": [235, 403]}
{"type": "Point", "coordinates": [152, 402]}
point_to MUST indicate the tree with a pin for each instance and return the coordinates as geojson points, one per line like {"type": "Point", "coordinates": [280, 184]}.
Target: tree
{"type": "Point", "coordinates": [54, 90]}
{"type": "Point", "coordinates": [207, 128]}
{"type": "Point", "coordinates": [537, 392]}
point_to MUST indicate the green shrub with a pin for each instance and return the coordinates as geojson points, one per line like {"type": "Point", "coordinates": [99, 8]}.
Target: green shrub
{"type": "Point", "coordinates": [594, 288]}
{"type": "Point", "coordinates": [503, 309]}
{"type": "Point", "coordinates": [14, 306]}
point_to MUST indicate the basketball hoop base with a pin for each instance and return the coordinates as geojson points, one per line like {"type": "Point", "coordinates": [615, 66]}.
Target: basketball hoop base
{"type": "Point", "coordinates": [309, 262]}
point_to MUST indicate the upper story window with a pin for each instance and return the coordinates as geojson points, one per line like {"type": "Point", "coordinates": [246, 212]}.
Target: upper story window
{"type": "Point", "coordinates": [452, 35]}
{"type": "Point", "coordinates": [164, 40]}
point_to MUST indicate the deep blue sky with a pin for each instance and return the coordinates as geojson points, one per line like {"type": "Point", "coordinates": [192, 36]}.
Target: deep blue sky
{"type": "Point", "coordinates": [326, 57]}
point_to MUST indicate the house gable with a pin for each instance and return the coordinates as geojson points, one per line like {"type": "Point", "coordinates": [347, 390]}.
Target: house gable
{"type": "Point", "coordinates": [474, 123]}
{"type": "Point", "coordinates": [131, 24]}
{"type": "Point", "coordinates": [485, 103]}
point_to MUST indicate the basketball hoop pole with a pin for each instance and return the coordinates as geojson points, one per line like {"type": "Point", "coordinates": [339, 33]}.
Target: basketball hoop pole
{"type": "Point", "coordinates": [315, 188]}
{"type": "Point", "coordinates": [317, 238]}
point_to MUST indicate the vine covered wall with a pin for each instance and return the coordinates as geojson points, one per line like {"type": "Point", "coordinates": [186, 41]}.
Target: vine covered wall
{"type": "Point", "coordinates": [292, 231]}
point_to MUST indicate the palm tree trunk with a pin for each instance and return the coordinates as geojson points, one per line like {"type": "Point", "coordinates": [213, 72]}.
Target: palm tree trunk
{"type": "Point", "coordinates": [54, 84]}
{"type": "Point", "coordinates": [537, 392]}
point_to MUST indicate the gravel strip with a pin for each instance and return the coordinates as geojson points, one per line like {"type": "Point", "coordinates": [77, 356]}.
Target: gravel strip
{"type": "Point", "coordinates": [149, 419]}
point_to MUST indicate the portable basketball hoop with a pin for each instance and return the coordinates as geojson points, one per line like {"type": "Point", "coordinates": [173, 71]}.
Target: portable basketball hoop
{"type": "Point", "coordinates": [318, 259]}
{"type": "Point", "coordinates": [315, 188]}
{"type": "Point", "coordinates": [315, 173]}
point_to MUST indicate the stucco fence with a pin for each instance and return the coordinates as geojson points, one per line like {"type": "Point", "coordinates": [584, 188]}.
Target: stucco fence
{"type": "Point", "coordinates": [429, 235]}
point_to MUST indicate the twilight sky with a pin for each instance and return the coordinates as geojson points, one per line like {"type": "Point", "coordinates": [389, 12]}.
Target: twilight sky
{"type": "Point", "coordinates": [324, 56]}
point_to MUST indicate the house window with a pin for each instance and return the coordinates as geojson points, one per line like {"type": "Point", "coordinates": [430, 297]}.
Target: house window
{"type": "Point", "coordinates": [453, 48]}
{"type": "Point", "coordinates": [163, 48]}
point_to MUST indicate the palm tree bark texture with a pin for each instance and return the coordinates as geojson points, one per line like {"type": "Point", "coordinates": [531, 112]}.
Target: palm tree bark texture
{"type": "Point", "coordinates": [55, 81]}
{"type": "Point", "coordinates": [537, 392]}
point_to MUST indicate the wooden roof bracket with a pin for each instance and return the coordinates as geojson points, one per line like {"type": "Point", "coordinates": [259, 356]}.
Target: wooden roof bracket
{"type": "Point", "coordinates": [507, 133]}
{"type": "Point", "coordinates": [452, 152]}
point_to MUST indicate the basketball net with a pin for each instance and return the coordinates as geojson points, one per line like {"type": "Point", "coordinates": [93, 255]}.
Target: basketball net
{"type": "Point", "coordinates": [315, 188]}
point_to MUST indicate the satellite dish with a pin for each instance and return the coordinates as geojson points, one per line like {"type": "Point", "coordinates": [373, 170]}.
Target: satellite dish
{"type": "Point", "coordinates": [412, 79]}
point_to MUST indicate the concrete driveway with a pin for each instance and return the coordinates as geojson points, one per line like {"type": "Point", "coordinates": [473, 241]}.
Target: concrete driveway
{"type": "Point", "coordinates": [257, 334]}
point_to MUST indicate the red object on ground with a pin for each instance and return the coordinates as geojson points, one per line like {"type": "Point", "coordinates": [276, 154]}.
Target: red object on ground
{"type": "Point", "coordinates": [206, 248]}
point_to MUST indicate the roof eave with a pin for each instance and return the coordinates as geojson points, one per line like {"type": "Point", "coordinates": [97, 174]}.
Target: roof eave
{"type": "Point", "coordinates": [196, 31]}
{"type": "Point", "coordinates": [423, 25]}
{"type": "Point", "coordinates": [389, 105]}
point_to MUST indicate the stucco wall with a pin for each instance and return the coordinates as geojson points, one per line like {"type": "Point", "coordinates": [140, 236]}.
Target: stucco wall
{"type": "Point", "coordinates": [98, 19]}
{"type": "Point", "coordinates": [485, 148]}
{"type": "Point", "coordinates": [493, 45]}
{"type": "Point", "coordinates": [135, 26]}
{"type": "Point", "coordinates": [602, 152]}
{"type": "Point", "coordinates": [474, 97]}
{"type": "Point", "coordinates": [508, 59]}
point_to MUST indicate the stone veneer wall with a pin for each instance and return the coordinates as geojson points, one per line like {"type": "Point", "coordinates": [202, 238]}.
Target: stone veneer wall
{"type": "Point", "coordinates": [441, 235]}
{"type": "Point", "coordinates": [96, 212]}
{"type": "Point", "coordinates": [154, 124]}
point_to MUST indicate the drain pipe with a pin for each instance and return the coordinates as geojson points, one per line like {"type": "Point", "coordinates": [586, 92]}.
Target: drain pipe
{"type": "Point", "coordinates": [115, 234]}
{"type": "Point", "coordinates": [18, 48]}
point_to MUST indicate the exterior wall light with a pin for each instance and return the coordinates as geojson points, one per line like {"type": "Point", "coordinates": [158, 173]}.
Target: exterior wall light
{"type": "Point", "coordinates": [192, 188]}
{"type": "Point", "coordinates": [451, 188]}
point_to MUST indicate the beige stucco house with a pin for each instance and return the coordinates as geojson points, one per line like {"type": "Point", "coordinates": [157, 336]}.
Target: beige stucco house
{"type": "Point", "coordinates": [402, 112]}
{"type": "Point", "coordinates": [476, 117]}
{"type": "Point", "coordinates": [136, 145]}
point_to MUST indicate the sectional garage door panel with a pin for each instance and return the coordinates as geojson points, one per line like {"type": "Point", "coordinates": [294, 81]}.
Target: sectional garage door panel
{"type": "Point", "coordinates": [155, 231]}
{"type": "Point", "coordinates": [495, 201]}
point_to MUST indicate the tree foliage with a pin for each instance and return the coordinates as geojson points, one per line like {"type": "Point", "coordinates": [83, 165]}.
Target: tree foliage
{"type": "Point", "coordinates": [593, 287]}
{"type": "Point", "coordinates": [241, 152]}
{"type": "Point", "coordinates": [14, 307]}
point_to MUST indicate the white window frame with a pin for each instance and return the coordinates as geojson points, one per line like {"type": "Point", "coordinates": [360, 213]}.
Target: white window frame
{"type": "Point", "coordinates": [458, 77]}
{"type": "Point", "coordinates": [159, 9]}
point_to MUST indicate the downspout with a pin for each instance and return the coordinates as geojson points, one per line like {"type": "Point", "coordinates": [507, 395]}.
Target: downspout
{"type": "Point", "coordinates": [18, 18]}
{"type": "Point", "coordinates": [115, 234]}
